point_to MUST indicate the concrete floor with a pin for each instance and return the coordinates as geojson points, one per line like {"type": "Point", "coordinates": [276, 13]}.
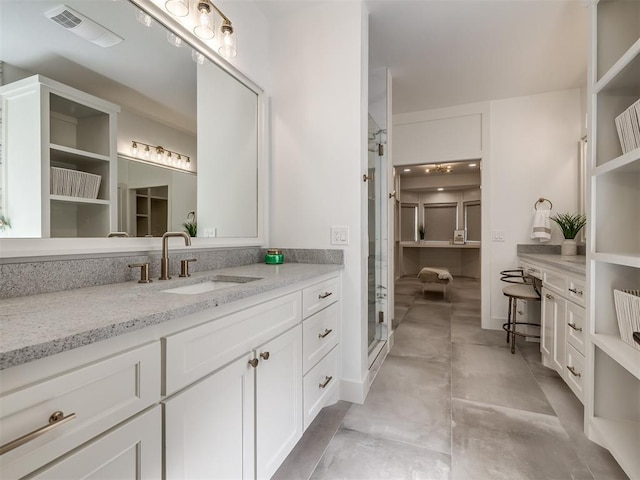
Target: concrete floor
{"type": "Point", "coordinates": [452, 402]}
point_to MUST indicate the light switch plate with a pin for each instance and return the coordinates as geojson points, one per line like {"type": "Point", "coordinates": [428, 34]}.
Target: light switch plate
{"type": "Point", "coordinates": [497, 236]}
{"type": "Point", "coordinates": [339, 235]}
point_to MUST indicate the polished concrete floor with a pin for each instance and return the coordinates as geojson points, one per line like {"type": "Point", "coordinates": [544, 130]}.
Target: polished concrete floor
{"type": "Point", "coordinates": [451, 402]}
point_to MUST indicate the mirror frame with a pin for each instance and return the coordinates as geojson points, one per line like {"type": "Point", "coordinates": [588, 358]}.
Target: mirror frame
{"type": "Point", "coordinates": [14, 248]}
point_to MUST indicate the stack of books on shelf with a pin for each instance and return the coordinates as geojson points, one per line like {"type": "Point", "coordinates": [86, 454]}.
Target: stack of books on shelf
{"type": "Point", "coordinates": [628, 126]}
{"type": "Point", "coordinates": [74, 183]}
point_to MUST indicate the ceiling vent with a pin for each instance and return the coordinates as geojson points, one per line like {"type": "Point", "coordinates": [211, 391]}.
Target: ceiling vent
{"type": "Point", "coordinates": [82, 26]}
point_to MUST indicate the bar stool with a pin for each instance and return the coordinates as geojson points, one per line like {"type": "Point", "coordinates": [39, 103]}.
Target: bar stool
{"type": "Point", "coordinates": [526, 288]}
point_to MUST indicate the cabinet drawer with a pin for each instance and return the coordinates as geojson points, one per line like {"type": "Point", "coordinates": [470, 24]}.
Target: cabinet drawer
{"type": "Point", "coordinates": [196, 352]}
{"type": "Point", "coordinates": [574, 373]}
{"type": "Point", "coordinates": [319, 335]}
{"type": "Point", "coordinates": [319, 385]}
{"type": "Point", "coordinates": [320, 295]}
{"type": "Point", "coordinates": [100, 395]}
{"type": "Point", "coordinates": [575, 291]}
{"type": "Point", "coordinates": [555, 282]}
{"type": "Point", "coordinates": [576, 328]}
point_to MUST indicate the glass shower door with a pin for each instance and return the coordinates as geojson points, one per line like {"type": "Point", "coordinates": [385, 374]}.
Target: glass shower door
{"type": "Point", "coordinates": [377, 233]}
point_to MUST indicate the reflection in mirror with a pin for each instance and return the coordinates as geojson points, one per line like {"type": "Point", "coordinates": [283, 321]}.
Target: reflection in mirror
{"type": "Point", "coordinates": [99, 101]}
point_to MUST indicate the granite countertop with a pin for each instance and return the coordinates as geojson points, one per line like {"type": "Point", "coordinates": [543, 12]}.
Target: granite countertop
{"type": "Point", "coordinates": [574, 264]}
{"type": "Point", "coordinates": [37, 326]}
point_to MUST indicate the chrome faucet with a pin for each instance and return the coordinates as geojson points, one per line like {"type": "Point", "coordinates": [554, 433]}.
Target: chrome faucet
{"type": "Point", "coordinates": [164, 262]}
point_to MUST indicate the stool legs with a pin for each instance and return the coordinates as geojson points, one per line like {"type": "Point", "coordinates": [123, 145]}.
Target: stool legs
{"type": "Point", "coordinates": [513, 326]}
{"type": "Point", "coordinates": [509, 319]}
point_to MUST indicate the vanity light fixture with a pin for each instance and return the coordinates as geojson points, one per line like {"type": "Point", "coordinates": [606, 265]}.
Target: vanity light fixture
{"type": "Point", "coordinates": [205, 25]}
{"type": "Point", "coordinates": [438, 169]}
{"type": "Point", "coordinates": [160, 155]}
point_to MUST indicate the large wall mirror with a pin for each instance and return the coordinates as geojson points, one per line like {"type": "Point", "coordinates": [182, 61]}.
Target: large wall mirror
{"type": "Point", "coordinates": [207, 121]}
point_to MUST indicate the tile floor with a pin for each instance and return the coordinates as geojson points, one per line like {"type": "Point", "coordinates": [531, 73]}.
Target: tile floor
{"type": "Point", "coordinates": [452, 402]}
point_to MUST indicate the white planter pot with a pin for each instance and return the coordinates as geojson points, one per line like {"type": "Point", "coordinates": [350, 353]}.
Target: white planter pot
{"type": "Point", "coordinates": [569, 247]}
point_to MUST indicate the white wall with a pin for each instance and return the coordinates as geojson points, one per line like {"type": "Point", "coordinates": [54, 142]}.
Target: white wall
{"type": "Point", "coordinates": [534, 153]}
{"type": "Point", "coordinates": [319, 151]}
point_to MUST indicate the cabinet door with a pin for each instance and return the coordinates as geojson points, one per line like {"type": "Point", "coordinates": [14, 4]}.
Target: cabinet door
{"type": "Point", "coordinates": [548, 314]}
{"type": "Point", "coordinates": [559, 335]}
{"type": "Point", "coordinates": [209, 427]}
{"type": "Point", "coordinates": [132, 451]}
{"type": "Point", "coordinates": [278, 400]}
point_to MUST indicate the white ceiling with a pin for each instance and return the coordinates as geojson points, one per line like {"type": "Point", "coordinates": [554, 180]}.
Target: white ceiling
{"type": "Point", "coordinates": [450, 52]}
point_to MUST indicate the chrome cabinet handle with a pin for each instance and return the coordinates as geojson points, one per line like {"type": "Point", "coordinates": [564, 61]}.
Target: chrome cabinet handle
{"type": "Point", "coordinates": [264, 355]}
{"type": "Point", "coordinates": [573, 371]}
{"type": "Point", "coordinates": [324, 295]}
{"type": "Point", "coordinates": [573, 325]}
{"type": "Point", "coordinates": [254, 362]}
{"type": "Point", "coordinates": [326, 332]}
{"type": "Point", "coordinates": [550, 297]}
{"type": "Point", "coordinates": [577, 292]}
{"type": "Point", "coordinates": [326, 382]}
{"type": "Point", "coordinates": [55, 420]}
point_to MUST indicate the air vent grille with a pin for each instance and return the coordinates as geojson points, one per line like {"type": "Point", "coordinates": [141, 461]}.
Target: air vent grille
{"type": "Point", "coordinates": [67, 19]}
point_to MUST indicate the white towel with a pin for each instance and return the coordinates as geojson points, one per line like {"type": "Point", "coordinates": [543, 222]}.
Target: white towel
{"type": "Point", "coordinates": [541, 228]}
{"type": "Point", "coordinates": [442, 273]}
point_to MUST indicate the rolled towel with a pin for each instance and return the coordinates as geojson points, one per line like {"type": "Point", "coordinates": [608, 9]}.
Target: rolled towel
{"type": "Point", "coordinates": [541, 228]}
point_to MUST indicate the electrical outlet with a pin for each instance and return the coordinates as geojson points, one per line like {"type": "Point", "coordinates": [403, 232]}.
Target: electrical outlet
{"type": "Point", "coordinates": [339, 235]}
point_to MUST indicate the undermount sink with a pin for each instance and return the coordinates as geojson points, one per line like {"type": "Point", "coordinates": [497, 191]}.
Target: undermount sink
{"type": "Point", "coordinates": [210, 284]}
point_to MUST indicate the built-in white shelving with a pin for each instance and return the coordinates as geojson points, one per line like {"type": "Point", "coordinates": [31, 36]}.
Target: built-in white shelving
{"type": "Point", "coordinates": [48, 124]}
{"type": "Point", "coordinates": [612, 406]}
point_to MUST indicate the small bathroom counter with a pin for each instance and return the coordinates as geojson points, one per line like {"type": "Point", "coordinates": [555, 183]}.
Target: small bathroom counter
{"type": "Point", "coordinates": [576, 264]}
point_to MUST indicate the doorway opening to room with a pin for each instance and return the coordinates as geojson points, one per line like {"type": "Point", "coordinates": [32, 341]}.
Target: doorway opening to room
{"type": "Point", "coordinates": [438, 227]}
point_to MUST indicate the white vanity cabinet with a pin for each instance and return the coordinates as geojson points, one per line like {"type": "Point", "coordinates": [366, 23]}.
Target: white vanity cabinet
{"type": "Point", "coordinates": [320, 306]}
{"type": "Point", "coordinates": [50, 125]}
{"type": "Point", "coordinates": [562, 323]}
{"type": "Point", "coordinates": [92, 399]}
{"type": "Point", "coordinates": [243, 419]}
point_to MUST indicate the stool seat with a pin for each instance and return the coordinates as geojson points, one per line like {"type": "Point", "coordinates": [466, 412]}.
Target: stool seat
{"type": "Point", "coordinates": [522, 292]}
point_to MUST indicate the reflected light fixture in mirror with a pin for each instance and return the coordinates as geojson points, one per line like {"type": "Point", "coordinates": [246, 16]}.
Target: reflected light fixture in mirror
{"type": "Point", "coordinates": [160, 156]}
{"type": "Point", "coordinates": [179, 8]}
{"type": "Point", "coordinates": [206, 26]}
{"type": "Point", "coordinates": [144, 18]}
{"type": "Point", "coordinates": [438, 169]}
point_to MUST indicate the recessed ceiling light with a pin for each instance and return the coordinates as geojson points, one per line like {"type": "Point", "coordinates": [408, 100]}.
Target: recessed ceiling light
{"type": "Point", "coordinates": [473, 164]}
{"type": "Point", "coordinates": [440, 189]}
{"type": "Point", "coordinates": [407, 169]}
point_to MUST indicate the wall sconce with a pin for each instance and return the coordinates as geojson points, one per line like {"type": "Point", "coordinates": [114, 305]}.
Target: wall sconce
{"type": "Point", "coordinates": [160, 155]}
{"type": "Point", "coordinates": [206, 25]}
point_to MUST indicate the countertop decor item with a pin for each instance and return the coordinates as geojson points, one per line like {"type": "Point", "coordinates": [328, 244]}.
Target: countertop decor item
{"type": "Point", "coordinates": [191, 225]}
{"type": "Point", "coordinates": [570, 224]}
{"type": "Point", "coordinates": [274, 256]}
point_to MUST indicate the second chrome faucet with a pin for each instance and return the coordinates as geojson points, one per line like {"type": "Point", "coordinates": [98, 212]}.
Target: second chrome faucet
{"type": "Point", "coordinates": [164, 262]}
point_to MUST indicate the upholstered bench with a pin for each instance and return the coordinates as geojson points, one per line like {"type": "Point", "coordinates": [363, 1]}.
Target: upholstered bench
{"type": "Point", "coordinates": [440, 276]}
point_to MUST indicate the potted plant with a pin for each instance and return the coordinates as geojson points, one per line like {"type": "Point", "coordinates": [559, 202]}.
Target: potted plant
{"type": "Point", "coordinates": [191, 225]}
{"type": "Point", "coordinates": [570, 224]}
{"type": "Point", "coordinates": [421, 232]}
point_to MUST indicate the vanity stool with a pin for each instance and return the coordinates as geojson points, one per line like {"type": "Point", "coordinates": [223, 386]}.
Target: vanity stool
{"type": "Point", "coordinates": [435, 275]}
{"type": "Point", "coordinates": [526, 288]}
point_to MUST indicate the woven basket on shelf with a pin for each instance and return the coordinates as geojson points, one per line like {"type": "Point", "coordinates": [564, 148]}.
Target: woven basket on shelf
{"type": "Point", "coordinates": [628, 313]}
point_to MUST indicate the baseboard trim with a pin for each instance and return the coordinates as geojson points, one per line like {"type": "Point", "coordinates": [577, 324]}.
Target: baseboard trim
{"type": "Point", "coordinates": [354, 392]}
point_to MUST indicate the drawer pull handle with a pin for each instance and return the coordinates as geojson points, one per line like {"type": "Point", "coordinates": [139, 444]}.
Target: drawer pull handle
{"type": "Point", "coordinates": [573, 371]}
{"type": "Point", "coordinates": [573, 325]}
{"type": "Point", "coordinates": [264, 355]}
{"type": "Point", "coordinates": [550, 297]}
{"type": "Point", "coordinates": [254, 362]}
{"type": "Point", "coordinates": [55, 420]}
{"type": "Point", "coordinates": [577, 292]}
{"type": "Point", "coordinates": [326, 332]}
{"type": "Point", "coordinates": [324, 295]}
{"type": "Point", "coordinates": [326, 382]}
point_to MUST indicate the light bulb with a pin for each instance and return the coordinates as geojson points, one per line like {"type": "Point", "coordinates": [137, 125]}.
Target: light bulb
{"type": "Point", "coordinates": [173, 39]}
{"type": "Point", "coordinates": [188, 164]}
{"type": "Point", "coordinates": [228, 43]}
{"type": "Point", "coordinates": [179, 8]}
{"type": "Point", "coordinates": [147, 153]}
{"type": "Point", "coordinates": [134, 149]}
{"type": "Point", "coordinates": [204, 29]}
{"type": "Point", "coordinates": [143, 18]}
{"type": "Point", "coordinates": [197, 57]}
